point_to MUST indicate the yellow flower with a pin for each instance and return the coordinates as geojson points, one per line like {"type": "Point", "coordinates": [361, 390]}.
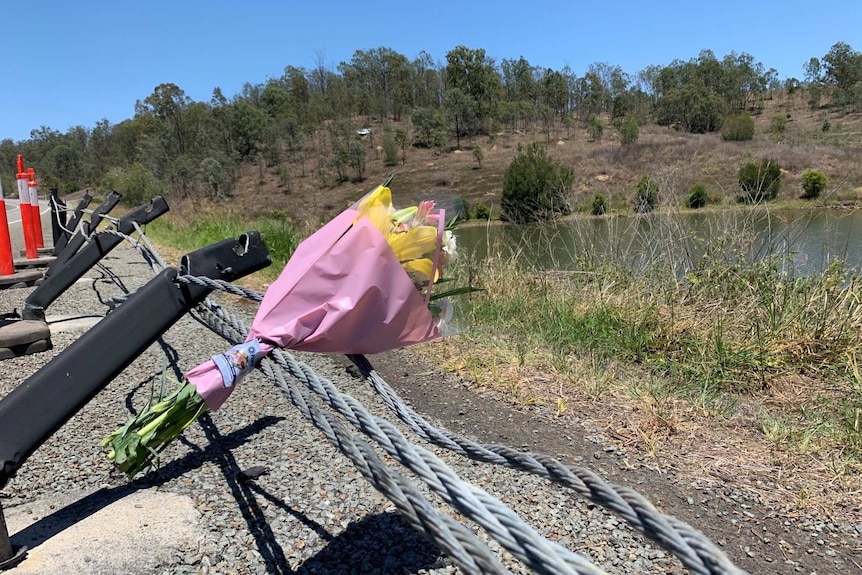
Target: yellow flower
{"type": "Point", "coordinates": [413, 246]}
{"type": "Point", "coordinates": [414, 243]}
{"type": "Point", "coordinates": [420, 269]}
{"type": "Point", "coordinates": [377, 207]}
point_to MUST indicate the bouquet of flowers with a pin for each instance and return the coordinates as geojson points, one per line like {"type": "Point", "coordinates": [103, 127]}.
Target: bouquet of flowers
{"type": "Point", "coordinates": [363, 283]}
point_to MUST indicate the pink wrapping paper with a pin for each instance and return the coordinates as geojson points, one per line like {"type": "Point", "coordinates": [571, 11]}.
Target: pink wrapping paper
{"type": "Point", "coordinates": [343, 291]}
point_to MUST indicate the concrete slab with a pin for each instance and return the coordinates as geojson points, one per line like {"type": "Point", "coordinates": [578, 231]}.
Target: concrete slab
{"type": "Point", "coordinates": [101, 533]}
{"type": "Point", "coordinates": [62, 323]}
{"type": "Point", "coordinates": [46, 251]}
{"type": "Point", "coordinates": [23, 337]}
{"type": "Point", "coordinates": [23, 278]}
{"type": "Point", "coordinates": [38, 262]}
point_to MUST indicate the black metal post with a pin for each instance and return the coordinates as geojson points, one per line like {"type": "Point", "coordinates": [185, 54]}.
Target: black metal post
{"type": "Point", "coordinates": [77, 240]}
{"type": "Point", "coordinates": [58, 216]}
{"type": "Point", "coordinates": [37, 408]}
{"type": "Point", "coordinates": [73, 223]}
{"type": "Point", "coordinates": [9, 556]}
{"type": "Point", "coordinates": [71, 271]}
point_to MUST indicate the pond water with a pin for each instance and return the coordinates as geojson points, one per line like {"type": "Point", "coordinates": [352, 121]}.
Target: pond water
{"type": "Point", "coordinates": [807, 240]}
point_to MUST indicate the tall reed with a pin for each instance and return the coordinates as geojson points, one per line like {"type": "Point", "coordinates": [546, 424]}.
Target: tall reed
{"type": "Point", "coordinates": [729, 316]}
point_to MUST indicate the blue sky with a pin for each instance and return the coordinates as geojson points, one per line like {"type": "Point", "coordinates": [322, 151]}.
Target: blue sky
{"type": "Point", "coordinates": [67, 63]}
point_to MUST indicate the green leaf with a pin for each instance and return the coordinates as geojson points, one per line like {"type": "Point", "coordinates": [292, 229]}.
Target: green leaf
{"type": "Point", "coordinates": [456, 291]}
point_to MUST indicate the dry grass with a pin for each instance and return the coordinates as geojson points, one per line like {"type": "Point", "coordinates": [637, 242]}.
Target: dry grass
{"type": "Point", "coordinates": [675, 159]}
{"type": "Point", "coordinates": [743, 376]}
{"type": "Point", "coordinates": [762, 417]}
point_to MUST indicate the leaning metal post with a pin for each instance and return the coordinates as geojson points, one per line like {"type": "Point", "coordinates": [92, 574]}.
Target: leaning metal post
{"type": "Point", "coordinates": [32, 412]}
{"type": "Point", "coordinates": [9, 556]}
{"type": "Point", "coordinates": [58, 217]}
{"type": "Point", "coordinates": [72, 270]}
{"type": "Point", "coordinates": [77, 240]}
{"type": "Point", "coordinates": [36, 409]}
{"type": "Point", "coordinates": [73, 223]}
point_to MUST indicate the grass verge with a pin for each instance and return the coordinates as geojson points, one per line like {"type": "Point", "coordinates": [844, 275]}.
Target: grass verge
{"type": "Point", "coordinates": [728, 333]}
{"type": "Point", "coordinates": [180, 235]}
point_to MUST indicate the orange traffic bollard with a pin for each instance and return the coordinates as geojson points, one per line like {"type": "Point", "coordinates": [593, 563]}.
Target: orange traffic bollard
{"type": "Point", "coordinates": [36, 218]}
{"type": "Point", "coordinates": [26, 212]}
{"type": "Point", "coordinates": [7, 266]}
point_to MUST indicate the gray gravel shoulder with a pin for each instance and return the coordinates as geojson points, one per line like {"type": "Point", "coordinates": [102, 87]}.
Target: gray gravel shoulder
{"type": "Point", "coordinates": [311, 512]}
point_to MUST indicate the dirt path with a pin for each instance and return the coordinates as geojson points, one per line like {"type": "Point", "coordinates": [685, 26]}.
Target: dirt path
{"type": "Point", "coordinates": [758, 534]}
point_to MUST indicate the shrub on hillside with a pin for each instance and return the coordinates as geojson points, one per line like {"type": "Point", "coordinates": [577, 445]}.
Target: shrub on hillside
{"type": "Point", "coordinates": [535, 187]}
{"type": "Point", "coordinates": [697, 197]}
{"type": "Point", "coordinates": [738, 127]}
{"type": "Point", "coordinates": [646, 195]}
{"type": "Point", "coordinates": [135, 183]}
{"type": "Point", "coordinates": [813, 183]}
{"type": "Point", "coordinates": [779, 124]}
{"type": "Point", "coordinates": [483, 212]}
{"type": "Point", "coordinates": [595, 127]}
{"type": "Point", "coordinates": [600, 205]}
{"type": "Point", "coordinates": [759, 181]}
{"type": "Point", "coordinates": [390, 149]}
{"type": "Point", "coordinates": [629, 130]}
{"type": "Point", "coordinates": [478, 155]}
{"type": "Point", "coordinates": [460, 209]}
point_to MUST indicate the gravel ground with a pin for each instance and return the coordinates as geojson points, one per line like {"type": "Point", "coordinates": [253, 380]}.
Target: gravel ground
{"type": "Point", "coordinates": [311, 512]}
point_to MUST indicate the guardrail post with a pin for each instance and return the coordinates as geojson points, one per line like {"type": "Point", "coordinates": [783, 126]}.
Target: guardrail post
{"type": "Point", "coordinates": [75, 267]}
{"type": "Point", "coordinates": [32, 412]}
{"type": "Point", "coordinates": [73, 223]}
{"type": "Point", "coordinates": [74, 244]}
{"type": "Point", "coordinates": [37, 408]}
{"type": "Point", "coordinates": [9, 556]}
{"type": "Point", "coordinates": [58, 217]}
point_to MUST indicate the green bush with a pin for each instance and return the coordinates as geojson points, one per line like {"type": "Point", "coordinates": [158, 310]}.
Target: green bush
{"type": "Point", "coordinates": [390, 149]}
{"type": "Point", "coordinates": [460, 209]}
{"type": "Point", "coordinates": [697, 197]}
{"type": "Point", "coordinates": [600, 205]}
{"type": "Point", "coordinates": [629, 130]}
{"type": "Point", "coordinates": [759, 181]}
{"type": "Point", "coordinates": [216, 178]}
{"type": "Point", "coordinates": [738, 127]}
{"type": "Point", "coordinates": [813, 182]}
{"type": "Point", "coordinates": [535, 187]}
{"type": "Point", "coordinates": [595, 127]}
{"type": "Point", "coordinates": [779, 124]}
{"type": "Point", "coordinates": [483, 212]}
{"type": "Point", "coordinates": [478, 155]}
{"type": "Point", "coordinates": [646, 195]}
{"type": "Point", "coordinates": [135, 183]}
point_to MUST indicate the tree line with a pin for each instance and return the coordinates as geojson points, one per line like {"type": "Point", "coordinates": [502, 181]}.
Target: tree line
{"type": "Point", "coordinates": [306, 120]}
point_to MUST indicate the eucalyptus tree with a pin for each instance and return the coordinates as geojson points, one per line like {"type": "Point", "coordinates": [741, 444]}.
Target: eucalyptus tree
{"type": "Point", "coordinates": [428, 85]}
{"type": "Point", "coordinates": [100, 153]}
{"type": "Point", "coordinates": [474, 74]}
{"type": "Point", "coordinates": [380, 80]}
{"type": "Point", "coordinates": [520, 93]}
{"type": "Point", "coordinates": [842, 66]}
{"type": "Point", "coordinates": [168, 106]}
{"type": "Point", "coordinates": [553, 99]}
{"type": "Point", "coordinates": [462, 111]}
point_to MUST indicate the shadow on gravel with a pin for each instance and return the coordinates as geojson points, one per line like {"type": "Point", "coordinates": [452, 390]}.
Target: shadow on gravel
{"type": "Point", "coordinates": [383, 543]}
{"type": "Point", "coordinates": [378, 544]}
{"type": "Point", "coordinates": [62, 519]}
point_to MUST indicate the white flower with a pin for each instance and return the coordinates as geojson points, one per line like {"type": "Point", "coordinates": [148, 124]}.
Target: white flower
{"type": "Point", "coordinates": [450, 247]}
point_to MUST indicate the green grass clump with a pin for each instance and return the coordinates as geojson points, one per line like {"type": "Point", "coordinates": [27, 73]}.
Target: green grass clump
{"type": "Point", "coordinates": [729, 328]}
{"type": "Point", "coordinates": [280, 236]}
